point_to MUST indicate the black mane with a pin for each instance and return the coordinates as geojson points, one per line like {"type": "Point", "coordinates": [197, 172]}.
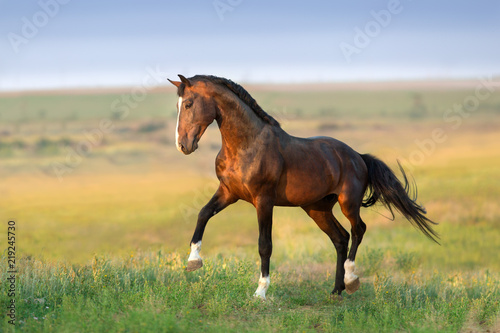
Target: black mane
{"type": "Point", "coordinates": [242, 94]}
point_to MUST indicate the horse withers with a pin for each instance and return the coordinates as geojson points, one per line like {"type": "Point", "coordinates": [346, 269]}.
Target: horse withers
{"type": "Point", "coordinates": [262, 164]}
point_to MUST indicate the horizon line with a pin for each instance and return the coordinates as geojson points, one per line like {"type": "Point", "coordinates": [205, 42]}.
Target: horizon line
{"type": "Point", "coordinates": [402, 84]}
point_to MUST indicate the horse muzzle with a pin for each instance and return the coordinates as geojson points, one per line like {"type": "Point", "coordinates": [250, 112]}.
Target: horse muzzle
{"type": "Point", "coordinates": [186, 147]}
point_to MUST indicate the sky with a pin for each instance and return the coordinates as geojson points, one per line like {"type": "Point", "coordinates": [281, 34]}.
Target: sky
{"type": "Point", "coordinates": [54, 44]}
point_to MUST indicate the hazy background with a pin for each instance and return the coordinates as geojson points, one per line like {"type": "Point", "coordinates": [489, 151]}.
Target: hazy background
{"type": "Point", "coordinates": [110, 43]}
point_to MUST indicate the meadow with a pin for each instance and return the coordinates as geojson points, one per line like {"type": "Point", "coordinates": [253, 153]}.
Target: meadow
{"type": "Point", "coordinates": [105, 207]}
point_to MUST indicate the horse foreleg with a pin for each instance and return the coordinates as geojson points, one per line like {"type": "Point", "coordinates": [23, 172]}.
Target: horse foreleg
{"type": "Point", "coordinates": [219, 201]}
{"type": "Point", "coordinates": [265, 218]}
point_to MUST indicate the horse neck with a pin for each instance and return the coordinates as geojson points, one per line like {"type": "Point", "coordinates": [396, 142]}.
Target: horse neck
{"type": "Point", "coordinates": [238, 123]}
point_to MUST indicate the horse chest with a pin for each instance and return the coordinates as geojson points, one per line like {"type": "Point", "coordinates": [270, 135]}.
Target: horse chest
{"type": "Point", "coordinates": [244, 176]}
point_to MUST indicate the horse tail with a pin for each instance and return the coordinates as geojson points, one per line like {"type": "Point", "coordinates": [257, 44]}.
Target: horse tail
{"type": "Point", "coordinates": [384, 186]}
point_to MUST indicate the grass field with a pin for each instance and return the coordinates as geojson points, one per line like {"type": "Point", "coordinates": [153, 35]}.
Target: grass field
{"type": "Point", "coordinates": [104, 215]}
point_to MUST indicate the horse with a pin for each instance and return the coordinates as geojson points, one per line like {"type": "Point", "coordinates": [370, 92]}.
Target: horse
{"type": "Point", "coordinates": [262, 164]}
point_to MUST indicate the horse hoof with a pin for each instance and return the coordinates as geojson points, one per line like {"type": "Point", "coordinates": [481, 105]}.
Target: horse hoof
{"type": "Point", "coordinates": [353, 286]}
{"type": "Point", "coordinates": [194, 265]}
{"type": "Point", "coordinates": [336, 297]}
{"type": "Point", "coordinates": [259, 297]}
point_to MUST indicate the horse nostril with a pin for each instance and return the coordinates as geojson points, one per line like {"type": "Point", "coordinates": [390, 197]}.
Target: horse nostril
{"type": "Point", "coordinates": [183, 148]}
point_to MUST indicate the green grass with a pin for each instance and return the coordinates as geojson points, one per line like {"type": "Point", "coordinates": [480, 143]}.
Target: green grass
{"type": "Point", "coordinates": [341, 104]}
{"type": "Point", "coordinates": [104, 249]}
{"type": "Point", "coordinates": [151, 292]}
{"type": "Point", "coordinates": [374, 104]}
{"type": "Point", "coordinates": [78, 107]}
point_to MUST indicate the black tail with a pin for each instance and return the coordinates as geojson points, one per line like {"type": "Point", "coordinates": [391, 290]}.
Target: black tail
{"type": "Point", "coordinates": [383, 185]}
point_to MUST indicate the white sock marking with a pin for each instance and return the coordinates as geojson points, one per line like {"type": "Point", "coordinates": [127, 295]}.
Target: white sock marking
{"type": "Point", "coordinates": [179, 105]}
{"type": "Point", "coordinates": [264, 283]}
{"type": "Point", "coordinates": [195, 251]}
{"type": "Point", "coordinates": [349, 271]}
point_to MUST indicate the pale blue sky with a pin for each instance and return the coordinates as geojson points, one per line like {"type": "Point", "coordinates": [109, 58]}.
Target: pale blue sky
{"type": "Point", "coordinates": [111, 43]}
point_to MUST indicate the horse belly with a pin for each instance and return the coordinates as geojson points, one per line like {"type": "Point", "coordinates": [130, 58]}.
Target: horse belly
{"type": "Point", "coordinates": [303, 187]}
{"type": "Point", "coordinates": [311, 172]}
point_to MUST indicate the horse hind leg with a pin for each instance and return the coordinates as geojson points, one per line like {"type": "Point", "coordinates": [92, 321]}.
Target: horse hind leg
{"type": "Point", "coordinates": [321, 213]}
{"type": "Point", "coordinates": [350, 205]}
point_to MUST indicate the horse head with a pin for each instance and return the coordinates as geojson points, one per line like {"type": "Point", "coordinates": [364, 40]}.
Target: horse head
{"type": "Point", "coordinates": [196, 110]}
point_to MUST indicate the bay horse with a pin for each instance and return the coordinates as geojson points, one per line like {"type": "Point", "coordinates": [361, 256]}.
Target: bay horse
{"type": "Point", "coordinates": [262, 164]}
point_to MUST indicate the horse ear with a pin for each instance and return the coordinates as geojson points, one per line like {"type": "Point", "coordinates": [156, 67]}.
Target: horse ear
{"type": "Point", "coordinates": [184, 80]}
{"type": "Point", "coordinates": [175, 83]}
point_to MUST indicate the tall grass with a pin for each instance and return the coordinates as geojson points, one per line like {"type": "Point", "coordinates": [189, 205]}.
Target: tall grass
{"type": "Point", "coordinates": [151, 292]}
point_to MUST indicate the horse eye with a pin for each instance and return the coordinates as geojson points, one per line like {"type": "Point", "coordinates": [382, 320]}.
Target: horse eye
{"type": "Point", "coordinates": [188, 105]}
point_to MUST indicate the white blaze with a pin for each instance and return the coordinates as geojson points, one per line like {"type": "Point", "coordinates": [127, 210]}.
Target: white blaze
{"type": "Point", "coordinates": [179, 105]}
{"type": "Point", "coordinates": [349, 271]}
{"type": "Point", "coordinates": [262, 288]}
{"type": "Point", "coordinates": [195, 251]}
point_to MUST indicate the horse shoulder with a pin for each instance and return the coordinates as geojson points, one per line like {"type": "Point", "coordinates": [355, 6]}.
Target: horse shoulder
{"type": "Point", "coordinates": [254, 169]}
